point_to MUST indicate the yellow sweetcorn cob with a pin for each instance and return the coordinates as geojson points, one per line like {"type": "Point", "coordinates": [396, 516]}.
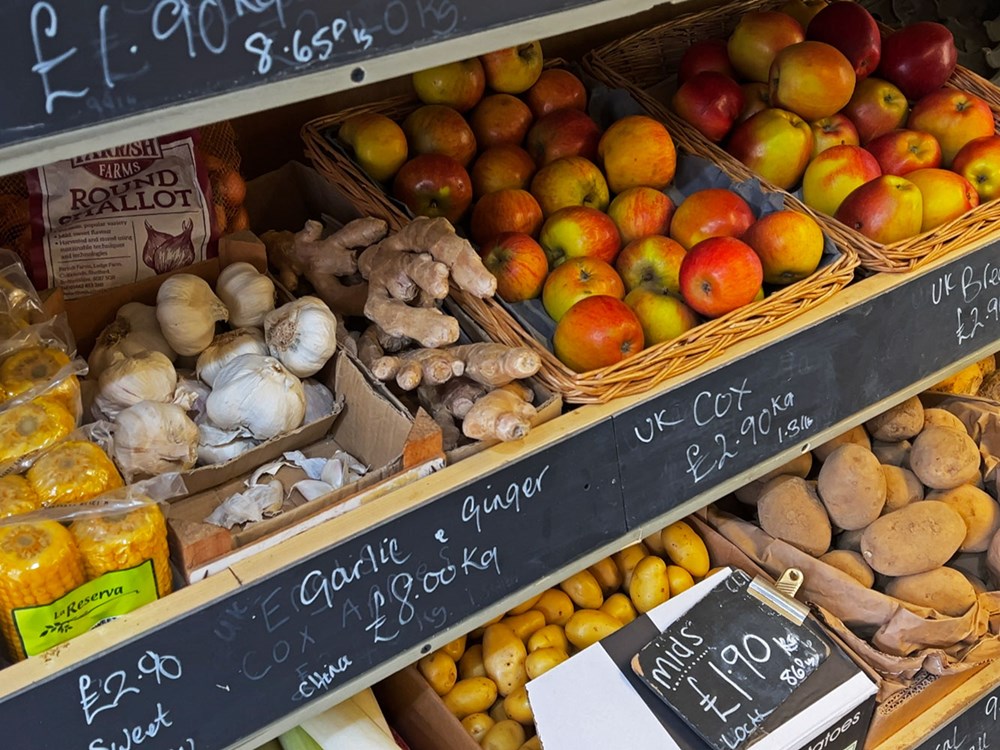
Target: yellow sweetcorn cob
{"type": "Point", "coordinates": [39, 562]}
{"type": "Point", "coordinates": [17, 496]}
{"type": "Point", "coordinates": [29, 427]}
{"type": "Point", "coordinates": [124, 540]}
{"type": "Point", "coordinates": [72, 472]}
{"type": "Point", "coordinates": [34, 367]}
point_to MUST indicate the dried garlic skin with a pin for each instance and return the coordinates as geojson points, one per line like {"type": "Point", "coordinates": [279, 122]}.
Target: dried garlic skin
{"type": "Point", "coordinates": [302, 335]}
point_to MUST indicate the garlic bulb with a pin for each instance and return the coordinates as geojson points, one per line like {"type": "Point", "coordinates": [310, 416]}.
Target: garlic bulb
{"type": "Point", "coordinates": [257, 393]}
{"type": "Point", "coordinates": [187, 310]}
{"type": "Point", "coordinates": [152, 438]}
{"type": "Point", "coordinates": [134, 330]}
{"type": "Point", "coordinates": [148, 376]}
{"type": "Point", "coordinates": [319, 400]}
{"type": "Point", "coordinates": [228, 346]}
{"type": "Point", "coordinates": [302, 334]}
{"type": "Point", "coordinates": [217, 446]}
{"type": "Point", "coordinates": [190, 394]}
{"type": "Point", "coordinates": [247, 293]}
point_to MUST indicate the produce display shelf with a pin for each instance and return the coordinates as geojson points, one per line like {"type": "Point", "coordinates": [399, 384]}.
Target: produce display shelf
{"type": "Point", "coordinates": [87, 78]}
{"type": "Point", "coordinates": [238, 658]}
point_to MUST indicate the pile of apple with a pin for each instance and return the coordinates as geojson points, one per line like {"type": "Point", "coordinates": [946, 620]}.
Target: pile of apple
{"type": "Point", "coordinates": [575, 214]}
{"type": "Point", "coordinates": [811, 95]}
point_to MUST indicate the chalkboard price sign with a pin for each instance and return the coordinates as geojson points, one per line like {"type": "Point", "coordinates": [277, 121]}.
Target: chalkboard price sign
{"type": "Point", "coordinates": [69, 64]}
{"type": "Point", "coordinates": [310, 630]}
{"type": "Point", "coordinates": [729, 663]}
{"type": "Point", "coordinates": [974, 729]}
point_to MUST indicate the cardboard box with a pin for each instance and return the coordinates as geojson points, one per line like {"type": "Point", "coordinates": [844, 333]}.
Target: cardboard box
{"type": "Point", "coordinates": [373, 430]}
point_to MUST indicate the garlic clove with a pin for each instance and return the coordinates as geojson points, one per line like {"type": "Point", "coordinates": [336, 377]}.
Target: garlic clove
{"type": "Point", "coordinates": [320, 400]}
{"type": "Point", "coordinates": [302, 334]}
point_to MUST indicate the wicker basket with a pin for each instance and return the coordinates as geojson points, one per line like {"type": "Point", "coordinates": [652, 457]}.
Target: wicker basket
{"type": "Point", "coordinates": [641, 61]}
{"type": "Point", "coordinates": [634, 375]}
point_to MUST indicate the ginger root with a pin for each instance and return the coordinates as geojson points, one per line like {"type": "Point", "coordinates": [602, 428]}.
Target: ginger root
{"type": "Point", "coordinates": [497, 364]}
{"type": "Point", "coordinates": [490, 364]}
{"type": "Point", "coordinates": [501, 414]}
{"type": "Point", "coordinates": [459, 394]}
{"type": "Point", "coordinates": [407, 272]}
{"type": "Point", "coordinates": [320, 261]}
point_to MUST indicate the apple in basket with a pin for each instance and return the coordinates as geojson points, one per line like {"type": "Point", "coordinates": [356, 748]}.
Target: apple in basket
{"type": "Point", "coordinates": [556, 88]}
{"type": "Point", "coordinates": [437, 129]}
{"type": "Point", "coordinates": [458, 84]}
{"type": "Point", "coordinates": [979, 162]}
{"type": "Point", "coordinates": [575, 279]}
{"type": "Point", "coordinates": [789, 245]}
{"type": "Point", "coordinates": [758, 37]}
{"type": "Point", "coordinates": [504, 211]}
{"type": "Point", "coordinates": [640, 211]}
{"type": "Point", "coordinates": [836, 173]}
{"type": "Point", "coordinates": [637, 151]}
{"type": "Point", "coordinates": [498, 119]}
{"type": "Point", "coordinates": [513, 70]}
{"type": "Point", "coordinates": [710, 102]}
{"type": "Point", "coordinates": [835, 130]}
{"type": "Point", "coordinates": [578, 232]}
{"type": "Point", "coordinates": [946, 195]}
{"type": "Point", "coordinates": [719, 275]}
{"type": "Point", "coordinates": [704, 55]}
{"type": "Point", "coordinates": [918, 58]}
{"type": "Point", "coordinates": [887, 209]}
{"type": "Point", "coordinates": [501, 167]}
{"type": "Point", "coordinates": [713, 212]}
{"type": "Point", "coordinates": [378, 144]}
{"type": "Point", "coordinates": [519, 264]}
{"type": "Point", "coordinates": [901, 151]}
{"type": "Point", "coordinates": [811, 79]}
{"type": "Point", "coordinates": [775, 144]}
{"type": "Point", "coordinates": [653, 261]}
{"type": "Point", "coordinates": [850, 28]}
{"type": "Point", "coordinates": [662, 315]}
{"type": "Point", "coordinates": [564, 132]}
{"type": "Point", "coordinates": [876, 107]}
{"type": "Point", "coordinates": [954, 118]}
{"type": "Point", "coordinates": [434, 185]}
{"type": "Point", "coordinates": [597, 332]}
{"type": "Point", "coordinates": [570, 181]}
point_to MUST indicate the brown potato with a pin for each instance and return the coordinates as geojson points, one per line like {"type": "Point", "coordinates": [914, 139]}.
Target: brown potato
{"type": "Point", "coordinates": [914, 539]}
{"type": "Point", "coordinates": [792, 512]}
{"type": "Point", "coordinates": [993, 561]}
{"type": "Point", "coordinates": [855, 435]}
{"type": "Point", "coordinates": [893, 454]}
{"type": "Point", "coordinates": [943, 589]}
{"type": "Point", "coordinates": [851, 563]}
{"type": "Point", "coordinates": [749, 494]}
{"type": "Point", "coordinates": [942, 418]}
{"type": "Point", "coordinates": [965, 381]}
{"type": "Point", "coordinates": [979, 511]}
{"type": "Point", "coordinates": [943, 458]}
{"type": "Point", "coordinates": [901, 422]}
{"type": "Point", "coordinates": [977, 583]}
{"type": "Point", "coordinates": [852, 487]}
{"type": "Point", "coordinates": [901, 488]}
{"type": "Point", "coordinates": [799, 466]}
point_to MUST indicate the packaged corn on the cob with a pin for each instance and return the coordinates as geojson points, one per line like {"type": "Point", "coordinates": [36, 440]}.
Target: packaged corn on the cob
{"type": "Point", "coordinates": [66, 569]}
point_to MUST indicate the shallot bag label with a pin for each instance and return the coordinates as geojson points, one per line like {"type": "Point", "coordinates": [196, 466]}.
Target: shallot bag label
{"type": "Point", "coordinates": [115, 593]}
{"type": "Point", "coordinates": [116, 216]}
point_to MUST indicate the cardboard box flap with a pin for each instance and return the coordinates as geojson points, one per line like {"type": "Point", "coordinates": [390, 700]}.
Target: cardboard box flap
{"type": "Point", "coordinates": [285, 198]}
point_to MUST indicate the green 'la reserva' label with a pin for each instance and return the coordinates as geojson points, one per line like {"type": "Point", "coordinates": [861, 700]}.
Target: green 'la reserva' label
{"type": "Point", "coordinates": [115, 593]}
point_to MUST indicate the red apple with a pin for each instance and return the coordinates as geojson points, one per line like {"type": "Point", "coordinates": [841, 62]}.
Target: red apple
{"type": "Point", "coordinates": [663, 316]}
{"type": "Point", "coordinates": [519, 264]}
{"type": "Point", "coordinates": [564, 132]}
{"type": "Point", "coordinates": [637, 151]}
{"type": "Point", "coordinates": [811, 79]}
{"type": "Point", "coordinates": [756, 96]}
{"type": "Point", "coordinates": [918, 58]}
{"type": "Point", "coordinates": [513, 69]}
{"type": "Point", "coordinates": [437, 129]}
{"type": "Point", "coordinates": [851, 29]}
{"type": "Point", "coordinates": [757, 38]}
{"type": "Point", "coordinates": [709, 101]}
{"type": "Point", "coordinates": [834, 174]}
{"type": "Point", "coordinates": [945, 194]}
{"type": "Point", "coordinates": [714, 212]}
{"type": "Point", "coordinates": [774, 143]}
{"type": "Point", "coordinates": [457, 84]}
{"type": "Point", "coordinates": [653, 261]}
{"type": "Point", "coordinates": [433, 185]}
{"type": "Point", "coordinates": [570, 181]}
{"type": "Point", "coordinates": [579, 232]}
{"type": "Point", "coordinates": [789, 245]}
{"type": "Point", "coordinates": [901, 151]}
{"type": "Point", "coordinates": [597, 332]}
{"type": "Point", "coordinates": [954, 118]}
{"type": "Point", "coordinates": [876, 108]}
{"type": "Point", "coordinates": [719, 275]}
{"type": "Point", "coordinates": [704, 55]}
{"type": "Point", "coordinates": [504, 211]}
{"type": "Point", "coordinates": [575, 279]}
{"type": "Point", "coordinates": [556, 88]}
{"type": "Point", "coordinates": [501, 167]}
{"type": "Point", "coordinates": [886, 209]}
{"type": "Point", "coordinates": [979, 162]}
{"type": "Point", "coordinates": [640, 211]}
{"type": "Point", "coordinates": [835, 130]}
{"type": "Point", "coordinates": [500, 119]}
